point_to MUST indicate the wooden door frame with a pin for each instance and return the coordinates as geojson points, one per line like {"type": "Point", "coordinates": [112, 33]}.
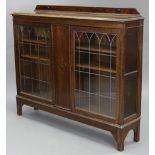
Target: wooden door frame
{"type": "Point", "coordinates": [17, 55]}
{"type": "Point", "coordinates": [119, 72]}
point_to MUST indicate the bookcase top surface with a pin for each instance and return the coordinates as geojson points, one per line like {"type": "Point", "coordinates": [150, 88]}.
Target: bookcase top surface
{"type": "Point", "coordinates": [88, 13]}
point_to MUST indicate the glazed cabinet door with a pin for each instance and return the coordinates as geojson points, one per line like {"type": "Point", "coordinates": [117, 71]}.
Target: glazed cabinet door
{"type": "Point", "coordinates": [34, 61]}
{"type": "Point", "coordinates": [95, 71]}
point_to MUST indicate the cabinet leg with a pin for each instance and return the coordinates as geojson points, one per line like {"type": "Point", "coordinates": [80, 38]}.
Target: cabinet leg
{"type": "Point", "coordinates": [19, 108]}
{"type": "Point", "coordinates": [137, 133]}
{"type": "Point", "coordinates": [120, 145]}
{"type": "Point", "coordinates": [119, 138]}
{"type": "Point", "coordinates": [121, 133]}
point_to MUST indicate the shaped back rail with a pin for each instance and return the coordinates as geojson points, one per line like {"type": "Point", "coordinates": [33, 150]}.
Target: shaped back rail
{"type": "Point", "coordinates": [86, 9]}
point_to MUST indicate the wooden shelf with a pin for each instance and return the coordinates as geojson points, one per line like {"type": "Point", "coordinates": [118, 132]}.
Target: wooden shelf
{"type": "Point", "coordinates": [96, 50]}
{"type": "Point", "coordinates": [34, 57]}
{"type": "Point", "coordinates": [35, 41]}
{"type": "Point", "coordinates": [93, 67]}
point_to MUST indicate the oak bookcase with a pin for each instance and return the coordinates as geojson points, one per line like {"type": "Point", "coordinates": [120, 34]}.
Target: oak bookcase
{"type": "Point", "coordinates": [82, 63]}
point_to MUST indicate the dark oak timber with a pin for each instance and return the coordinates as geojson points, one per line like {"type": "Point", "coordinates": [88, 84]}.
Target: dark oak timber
{"type": "Point", "coordinates": [87, 9]}
{"type": "Point", "coordinates": [82, 63]}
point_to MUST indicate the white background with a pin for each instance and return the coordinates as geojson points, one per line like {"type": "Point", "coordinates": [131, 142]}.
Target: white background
{"type": "Point", "coordinates": [45, 134]}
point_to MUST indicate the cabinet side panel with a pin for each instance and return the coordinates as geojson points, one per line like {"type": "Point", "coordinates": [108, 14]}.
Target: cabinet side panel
{"type": "Point", "coordinates": [62, 69]}
{"type": "Point", "coordinates": [131, 72]}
